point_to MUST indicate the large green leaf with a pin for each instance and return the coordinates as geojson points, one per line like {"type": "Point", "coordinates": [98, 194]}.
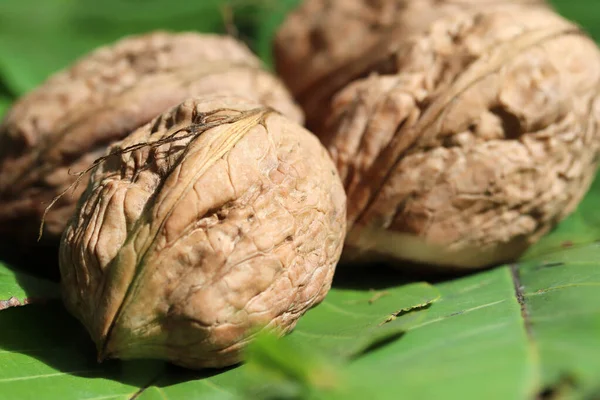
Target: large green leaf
{"type": "Point", "coordinates": [42, 347]}
{"type": "Point", "coordinates": [45, 355]}
{"type": "Point", "coordinates": [514, 332]}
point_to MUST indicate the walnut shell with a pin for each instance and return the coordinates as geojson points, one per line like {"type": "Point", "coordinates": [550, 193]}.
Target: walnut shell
{"type": "Point", "coordinates": [325, 44]}
{"type": "Point", "coordinates": [484, 139]}
{"type": "Point", "coordinates": [70, 120]}
{"type": "Point", "coordinates": [217, 217]}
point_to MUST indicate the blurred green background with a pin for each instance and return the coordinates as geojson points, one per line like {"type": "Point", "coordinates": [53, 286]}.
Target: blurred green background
{"type": "Point", "coordinates": [38, 37]}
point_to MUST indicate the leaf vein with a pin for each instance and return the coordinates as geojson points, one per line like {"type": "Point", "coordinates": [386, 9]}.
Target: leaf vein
{"type": "Point", "coordinates": [24, 378]}
{"type": "Point", "coordinates": [560, 287]}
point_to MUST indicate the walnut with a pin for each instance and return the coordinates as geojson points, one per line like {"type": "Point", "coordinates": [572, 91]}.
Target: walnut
{"type": "Point", "coordinates": [480, 135]}
{"type": "Point", "coordinates": [217, 217]}
{"type": "Point", "coordinates": [62, 126]}
{"type": "Point", "coordinates": [325, 44]}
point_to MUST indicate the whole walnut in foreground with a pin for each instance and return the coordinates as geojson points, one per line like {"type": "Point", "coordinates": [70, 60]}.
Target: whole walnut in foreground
{"type": "Point", "coordinates": [217, 217]}
{"type": "Point", "coordinates": [61, 127]}
{"type": "Point", "coordinates": [469, 141]}
{"type": "Point", "coordinates": [325, 44]}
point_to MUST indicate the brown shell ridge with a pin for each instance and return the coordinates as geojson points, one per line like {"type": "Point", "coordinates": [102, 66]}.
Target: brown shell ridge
{"type": "Point", "coordinates": [472, 75]}
{"type": "Point", "coordinates": [353, 69]}
{"type": "Point", "coordinates": [360, 65]}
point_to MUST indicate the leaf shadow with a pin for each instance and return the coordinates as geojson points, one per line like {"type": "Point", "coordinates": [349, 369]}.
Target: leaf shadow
{"type": "Point", "coordinates": [378, 344]}
{"type": "Point", "coordinates": [174, 375]}
{"type": "Point", "coordinates": [50, 335]}
{"type": "Point", "coordinates": [37, 289]}
{"type": "Point", "coordinates": [41, 260]}
{"type": "Point", "coordinates": [385, 275]}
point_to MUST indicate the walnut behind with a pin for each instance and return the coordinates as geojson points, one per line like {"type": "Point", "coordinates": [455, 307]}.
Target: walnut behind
{"type": "Point", "coordinates": [482, 140]}
{"type": "Point", "coordinates": [61, 127]}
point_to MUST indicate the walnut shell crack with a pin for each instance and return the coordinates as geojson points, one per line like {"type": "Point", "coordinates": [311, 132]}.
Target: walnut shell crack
{"type": "Point", "coordinates": [226, 216]}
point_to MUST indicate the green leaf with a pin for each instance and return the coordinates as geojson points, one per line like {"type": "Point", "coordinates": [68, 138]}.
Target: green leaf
{"type": "Point", "coordinates": [358, 326]}
{"type": "Point", "coordinates": [19, 288]}
{"type": "Point", "coordinates": [44, 353]}
{"type": "Point", "coordinates": [510, 333]}
{"type": "Point", "coordinates": [472, 344]}
{"type": "Point", "coordinates": [561, 294]}
{"type": "Point", "coordinates": [61, 356]}
{"type": "Point", "coordinates": [283, 369]}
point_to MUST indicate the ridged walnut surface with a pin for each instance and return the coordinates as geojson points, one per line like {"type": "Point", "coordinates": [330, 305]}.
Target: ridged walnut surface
{"type": "Point", "coordinates": [179, 250]}
{"type": "Point", "coordinates": [482, 136]}
{"type": "Point", "coordinates": [71, 119]}
{"type": "Point", "coordinates": [325, 44]}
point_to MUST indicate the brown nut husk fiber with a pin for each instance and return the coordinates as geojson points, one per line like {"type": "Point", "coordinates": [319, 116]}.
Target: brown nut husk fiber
{"type": "Point", "coordinates": [218, 217]}
{"type": "Point", "coordinates": [61, 127]}
{"type": "Point", "coordinates": [325, 44]}
{"type": "Point", "coordinates": [480, 135]}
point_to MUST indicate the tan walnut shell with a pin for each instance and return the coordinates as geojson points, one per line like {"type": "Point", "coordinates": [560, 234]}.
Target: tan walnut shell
{"type": "Point", "coordinates": [219, 216]}
{"type": "Point", "coordinates": [480, 139]}
{"type": "Point", "coordinates": [59, 128]}
{"type": "Point", "coordinates": [325, 44]}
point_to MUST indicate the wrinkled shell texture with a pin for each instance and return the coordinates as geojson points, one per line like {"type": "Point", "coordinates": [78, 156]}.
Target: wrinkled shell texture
{"type": "Point", "coordinates": [61, 127]}
{"type": "Point", "coordinates": [180, 248]}
{"type": "Point", "coordinates": [469, 141]}
{"type": "Point", "coordinates": [325, 44]}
